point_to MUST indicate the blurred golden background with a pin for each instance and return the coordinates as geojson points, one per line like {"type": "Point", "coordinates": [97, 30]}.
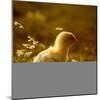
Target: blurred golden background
{"type": "Point", "coordinates": [36, 26]}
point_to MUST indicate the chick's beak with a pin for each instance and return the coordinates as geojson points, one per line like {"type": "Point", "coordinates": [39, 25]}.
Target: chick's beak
{"type": "Point", "coordinates": [76, 40]}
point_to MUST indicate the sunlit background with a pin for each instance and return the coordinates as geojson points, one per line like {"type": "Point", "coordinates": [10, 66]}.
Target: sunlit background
{"type": "Point", "coordinates": [36, 26]}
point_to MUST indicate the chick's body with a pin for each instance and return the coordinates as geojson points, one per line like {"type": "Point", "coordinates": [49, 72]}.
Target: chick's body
{"type": "Point", "coordinates": [49, 56]}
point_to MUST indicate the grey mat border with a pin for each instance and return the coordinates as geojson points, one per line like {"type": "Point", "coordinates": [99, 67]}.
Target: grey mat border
{"type": "Point", "coordinates": [82, 94]}
{"type": "Point", "coordinates": [56, 96]}
{"type": "Point", "coordinates": [59, 95]}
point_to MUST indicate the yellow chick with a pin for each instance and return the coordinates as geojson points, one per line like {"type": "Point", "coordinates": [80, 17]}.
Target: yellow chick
{"type": "Point", "coordinates": [58, 52]}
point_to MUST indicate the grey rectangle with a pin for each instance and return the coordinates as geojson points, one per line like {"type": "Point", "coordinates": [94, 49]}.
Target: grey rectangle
{"type": "Point", "coordinates": [32, 80]}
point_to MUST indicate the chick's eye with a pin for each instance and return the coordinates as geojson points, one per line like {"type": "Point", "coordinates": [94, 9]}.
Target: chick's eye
{"type": "Point", "coordinates": [71, 38]}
